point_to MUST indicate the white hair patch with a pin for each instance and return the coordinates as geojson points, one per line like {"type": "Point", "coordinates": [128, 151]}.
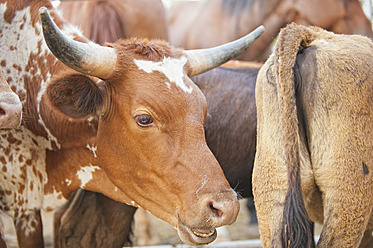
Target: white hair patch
{"type": "Point", "coordinates": [172, 68]}
{"type": "Point", "coordinates": [85, 174]}
{"type": "Point", "coordinates": [92, 149]}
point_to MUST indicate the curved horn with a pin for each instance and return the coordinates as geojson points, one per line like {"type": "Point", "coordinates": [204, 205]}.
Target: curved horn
{"type": "Point", "coordinates": [91, 59]}
{"type": "Point", "coordinates": [201, 60]}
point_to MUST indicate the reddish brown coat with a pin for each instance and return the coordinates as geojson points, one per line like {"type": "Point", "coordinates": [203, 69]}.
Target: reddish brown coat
{"type": "Point", "coordinates": [108, 21]}
{"type": "Point", "coordinates": [200, 24]}
{"type": "Point", "coordinates": [82, 132]}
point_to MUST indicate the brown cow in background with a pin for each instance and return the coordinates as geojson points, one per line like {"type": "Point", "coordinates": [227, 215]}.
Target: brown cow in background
{"type": "Point", "coordinates": [108, 21]}
{"type": "Point", "coordinates": [199, 24]}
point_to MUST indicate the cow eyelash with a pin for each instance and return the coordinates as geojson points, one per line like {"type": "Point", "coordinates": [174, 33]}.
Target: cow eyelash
{"type": "Point", "coordinates": [144, 120]}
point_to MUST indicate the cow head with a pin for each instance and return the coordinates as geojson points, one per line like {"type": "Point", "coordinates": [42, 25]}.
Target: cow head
{"type": "Point", "coordinates": [10, 106]}
{"type": "Point", "coordinates": [150, 140]}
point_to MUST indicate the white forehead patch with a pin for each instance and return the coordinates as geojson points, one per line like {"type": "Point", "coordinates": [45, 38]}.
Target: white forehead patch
{"type": "Point", "coordinates": [172, 68]}
{"type": "Point", "coordinates": [85, 174]}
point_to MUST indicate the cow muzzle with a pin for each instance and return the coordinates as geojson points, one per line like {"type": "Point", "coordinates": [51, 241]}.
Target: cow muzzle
{"type": "Point", "coordinates": [214, 210]}
{"type": "Point", "coordinates": [10, 110]}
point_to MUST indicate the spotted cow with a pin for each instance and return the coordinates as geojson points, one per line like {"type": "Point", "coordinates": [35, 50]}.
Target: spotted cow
{"type": "Point", "coordinates": [10, 117]}
{"type": "Point", "coordinates": [124, 120]}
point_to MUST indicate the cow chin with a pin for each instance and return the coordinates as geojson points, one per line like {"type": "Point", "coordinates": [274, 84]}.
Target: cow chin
{"type": "Point", "coordinates": [195, 236]}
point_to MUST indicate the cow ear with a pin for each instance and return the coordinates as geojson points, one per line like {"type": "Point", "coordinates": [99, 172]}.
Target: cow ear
{"type": "Point", "coordinates": [76, 95]}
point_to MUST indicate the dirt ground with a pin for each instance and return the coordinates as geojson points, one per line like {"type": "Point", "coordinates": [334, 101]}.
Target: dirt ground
{"type": "Point", "coordinates": [149, 230]}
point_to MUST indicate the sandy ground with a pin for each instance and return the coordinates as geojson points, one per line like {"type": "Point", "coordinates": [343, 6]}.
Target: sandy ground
{"type": "Point", "coordinates": [149, 230]}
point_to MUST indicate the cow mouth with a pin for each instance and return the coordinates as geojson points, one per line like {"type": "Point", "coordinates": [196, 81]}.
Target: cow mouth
{"type": "Point", "coordinates": [192, 236]}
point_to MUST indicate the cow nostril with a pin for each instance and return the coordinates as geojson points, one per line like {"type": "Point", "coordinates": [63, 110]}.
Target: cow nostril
{"type": "Point", "coordinates": [2, 111]}
{"type": "Point", "coordinates": [215, 210]}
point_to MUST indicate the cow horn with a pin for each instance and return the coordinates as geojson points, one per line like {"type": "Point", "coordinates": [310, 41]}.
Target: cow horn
{"type": "Point", "coordinates": [91, 59]}
{"type": "Point", "coordinates": [201, 60]}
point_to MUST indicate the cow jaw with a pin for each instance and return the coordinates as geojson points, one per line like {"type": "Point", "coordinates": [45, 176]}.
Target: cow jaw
{"type": "Point", "coordinates": [195, 236]}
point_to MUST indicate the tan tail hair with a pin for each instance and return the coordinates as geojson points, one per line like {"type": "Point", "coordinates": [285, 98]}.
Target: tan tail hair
{"type": "Point", "coordinates": [297, 230]}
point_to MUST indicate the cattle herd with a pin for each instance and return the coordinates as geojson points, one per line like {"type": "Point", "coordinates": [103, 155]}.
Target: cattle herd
{"type": "Point", "coordinates": [108, 106]}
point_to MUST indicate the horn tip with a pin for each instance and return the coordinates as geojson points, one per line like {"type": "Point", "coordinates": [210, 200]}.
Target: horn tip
{"type": "Point", "coordinates": [261, 29]}
{"type": "Point", "coordinates": [43, 10]}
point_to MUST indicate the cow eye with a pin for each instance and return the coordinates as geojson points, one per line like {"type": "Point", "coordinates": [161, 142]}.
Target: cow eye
{"type": "Point", "coordinates": [144, 120]}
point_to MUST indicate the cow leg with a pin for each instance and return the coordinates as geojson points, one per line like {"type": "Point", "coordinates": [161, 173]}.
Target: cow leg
{"type": "Point", "coordinates": [62, 214]}
{"type": "Point", "coordinates": [2, 242]}
{"type": "Point", "coordinates": [269, 179]}
{"type": "Point", "coordinates": [251, 207]}
{"type": "Point", "coordinates": [95, 221]}
{"type": "Point", "coordinates": [348, 203]}
{"type": "Point", "coordinates": [367, 241]}
{"type": "Point", "coordinates": [2, 235]}
{"type": "Point", "coordinates": [30, 230]}
{"type": "Point", "coordinates": [341, 229]}
{"type": "Point", "coordinates": [269, 202]}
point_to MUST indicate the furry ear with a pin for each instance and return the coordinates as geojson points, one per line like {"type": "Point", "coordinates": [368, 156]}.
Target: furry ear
{"type": "Point", "coordinates": [76, 95]}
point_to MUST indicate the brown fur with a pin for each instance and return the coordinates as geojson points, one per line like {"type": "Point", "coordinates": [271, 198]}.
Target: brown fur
{"type": "Point", "coordinates": [108, 21]}
{"type": "Point", "coordinates": [314, 134]}
{"type": "Point", "coordinates": [201, 24]}
{"type": "Point", "coordinates": [154, 50]}
{"type": "Point", "coordinates": [165, 167]}
{"type": "Point", "coordinates": [230, 134]}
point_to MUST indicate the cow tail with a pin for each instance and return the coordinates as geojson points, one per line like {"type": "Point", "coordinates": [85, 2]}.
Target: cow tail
{"type": "Point", "coordinates": [297, 229]}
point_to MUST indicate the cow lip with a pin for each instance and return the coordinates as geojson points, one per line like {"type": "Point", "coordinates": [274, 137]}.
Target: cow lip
{"type": "Point", "coordinates": [203, 233]}
{"type": "Point", "coordinates": [194, 236]}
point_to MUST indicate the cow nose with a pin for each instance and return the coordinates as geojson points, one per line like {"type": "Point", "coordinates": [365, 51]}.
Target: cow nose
{"type": "Point", "coordinates": [10, 115]}
{"type": "Point", "coordinates": [222, 207]}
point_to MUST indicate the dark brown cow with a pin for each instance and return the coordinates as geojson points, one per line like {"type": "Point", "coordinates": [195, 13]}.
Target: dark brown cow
{"type": "Point", "coordinates": [231, 121]}
{"type": "Point", "coordinates": [314, 99]}
{"type": "Point", "coordinates": [108, 21]}
{"type": "Point", "coordinates": [199, 24]}
{"type": "Point", "coordinates": [126, 121]}
{"type": "Point", "coordinates": [10, 106]}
